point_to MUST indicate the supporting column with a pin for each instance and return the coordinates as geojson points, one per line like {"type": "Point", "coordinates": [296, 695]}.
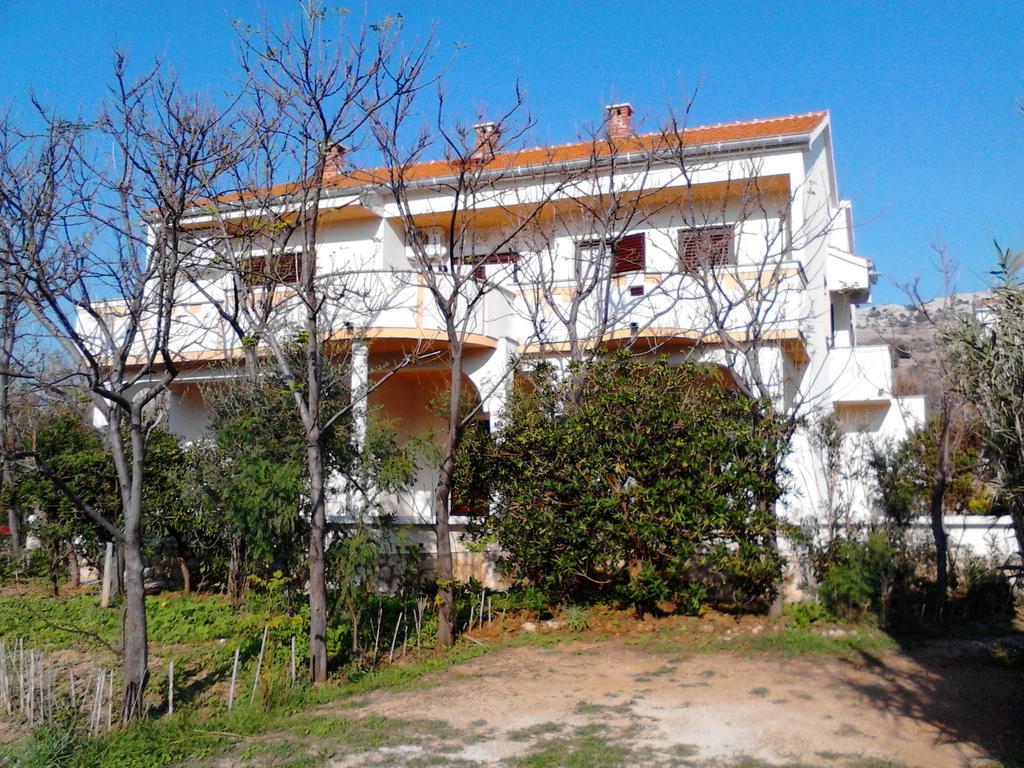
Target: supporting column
{"type": "Point", "coordinates": [359, 385]}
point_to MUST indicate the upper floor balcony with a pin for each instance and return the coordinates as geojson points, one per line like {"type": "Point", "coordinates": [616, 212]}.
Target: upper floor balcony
{"type": "Point", "coordinates": [398, 307]}
{"type": "Point", "coordinates": [861, 374]}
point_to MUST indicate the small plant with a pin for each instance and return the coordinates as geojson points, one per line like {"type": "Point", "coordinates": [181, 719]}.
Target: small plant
{"type": "Point", "coordinates": [808, 612]}
{"type": "Point", "coordinates": [576, 617]}
{"type": "Point", "coordinates": [859, 577]}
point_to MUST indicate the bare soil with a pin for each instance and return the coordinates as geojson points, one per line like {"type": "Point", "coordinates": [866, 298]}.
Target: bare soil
{"type": "Point", "coordinates": [943, 705]}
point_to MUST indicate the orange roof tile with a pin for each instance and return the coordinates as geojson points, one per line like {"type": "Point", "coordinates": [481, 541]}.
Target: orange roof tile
{"type": "Point", "coordinates": [538, 156]}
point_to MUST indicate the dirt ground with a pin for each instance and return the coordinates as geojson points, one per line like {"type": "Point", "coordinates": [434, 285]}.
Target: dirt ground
{"type": "Point", "coordinates": [935, 706]}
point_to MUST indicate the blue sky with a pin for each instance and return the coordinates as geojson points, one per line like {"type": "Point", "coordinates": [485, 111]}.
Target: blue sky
{"type": "Point", "coordinates": [924, 97]}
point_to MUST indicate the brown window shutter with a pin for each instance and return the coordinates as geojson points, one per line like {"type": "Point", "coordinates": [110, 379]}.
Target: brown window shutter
{"type": "Point", "coordinates": [628, 254]}
{"type": "Point", "coordinates": [707, 247]}
{"type": "Point", "coordinates": [282, 269]}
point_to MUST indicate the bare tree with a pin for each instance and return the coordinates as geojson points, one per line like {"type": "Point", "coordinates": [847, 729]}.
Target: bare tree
{"type": "Point", "coordinates": [11, 317]}
{"type": "Point", "coordinates": [93, 244]}
{"type": "Point", "coordinates": [311, 91]}
{"type": "Point", "coordinates": [463, 262]}
{"type": "Point", "coordinates": [950, 409]}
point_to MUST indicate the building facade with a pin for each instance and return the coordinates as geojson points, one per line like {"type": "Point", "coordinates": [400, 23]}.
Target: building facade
{"type": "Point", "coordinates": [725, 244]}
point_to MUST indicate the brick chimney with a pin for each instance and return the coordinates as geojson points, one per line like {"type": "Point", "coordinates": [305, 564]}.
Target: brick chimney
{"type": "Point", "coordinates": [487, 137]}
{"type": "Point", "coordinates": [619, 120]}
{"type": "Point", "coordinates": [334, 162]}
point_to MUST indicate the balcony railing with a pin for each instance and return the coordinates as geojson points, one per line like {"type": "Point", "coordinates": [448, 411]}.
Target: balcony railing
{"type": "Point", "coordinates": [861, 374]}
{"type": "Point", "coordinates": [379, 301]}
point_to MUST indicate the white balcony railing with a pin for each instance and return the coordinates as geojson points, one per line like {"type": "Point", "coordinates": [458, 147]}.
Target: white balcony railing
{"type": "Point", "coordinates": [399, 301]}
{"type": "Point", "coordinates": [861, 374]}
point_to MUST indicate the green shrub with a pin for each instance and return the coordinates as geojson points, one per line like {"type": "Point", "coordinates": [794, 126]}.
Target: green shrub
{"type": "Point", "coordinates": [858, 577]}
{"type": "Point", "coordinates": [807, 612]}
{"type": "Point", "coordinates": [576, 617]}
{"type": "Point", "coordinates": [634, 481]}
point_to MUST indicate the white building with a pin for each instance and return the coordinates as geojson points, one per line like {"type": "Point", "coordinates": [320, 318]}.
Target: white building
{"type": "Point", "coordinates": [728, 244]}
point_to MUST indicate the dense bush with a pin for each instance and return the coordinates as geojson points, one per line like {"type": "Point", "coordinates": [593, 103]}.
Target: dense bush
{"type": "Point", "coordinates": [632, 480]}
{"type": "Point", "coordinates": [858, 577]}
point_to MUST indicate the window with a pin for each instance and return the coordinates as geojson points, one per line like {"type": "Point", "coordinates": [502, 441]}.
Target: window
{"type": "Point", "coordinates": [628, 254]}
{"type": "Point", "coordinates": [706, 247]}
{"type": "Point", "coordinates": [480, 263]}
{"type": "Point", "coordinates": [283, 269]}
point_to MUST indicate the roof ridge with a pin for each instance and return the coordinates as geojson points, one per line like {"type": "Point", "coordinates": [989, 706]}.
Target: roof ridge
{"type": "Point", "coordinates": [822, 113]}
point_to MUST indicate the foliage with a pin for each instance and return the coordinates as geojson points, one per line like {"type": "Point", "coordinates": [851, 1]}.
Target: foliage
{"type": "Point", "coordinates": [254, 473]}
{"type": "Point", "coordinates": [807, 612]}
{"type": "Point", "coordinates": [173, 503]}
{"type": "Point", "coordinates": [636, 481]}
{"type": "Point", "coordinates": [904, 471]}
{"type": "Point", "coordinates": [73, 455]}
{"type": "Point", "coordinates": [859, 577]}
{"type": "Point", "coordinates": [576, 617]}
{"type": "Point", "coordinates": [986, 360]}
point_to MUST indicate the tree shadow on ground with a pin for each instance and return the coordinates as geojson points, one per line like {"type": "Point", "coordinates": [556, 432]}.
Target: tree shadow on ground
{"type": "Point", "coordinates": [970, 689]}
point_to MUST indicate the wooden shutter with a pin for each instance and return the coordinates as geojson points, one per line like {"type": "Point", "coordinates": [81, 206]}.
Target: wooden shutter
{"type": "Point", "coordinates": [628, 254]}
{"type": "Point", "coordinates": [282, 269]}
{"type": "Point", "coordinates": [481, 262]}
{"type": "Point", "coordinates": [707, 247]}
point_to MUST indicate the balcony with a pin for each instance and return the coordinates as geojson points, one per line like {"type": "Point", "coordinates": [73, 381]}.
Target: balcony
{"type": "Point", "coordinates": [398, 305]}
{"type": "Point", "coordinates": [676, 308]}
{"type": "Point", "coordinates": [861, 374]}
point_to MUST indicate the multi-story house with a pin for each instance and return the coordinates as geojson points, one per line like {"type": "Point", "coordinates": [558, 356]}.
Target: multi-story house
{"type": "Point", "coordinates": [727, 244]}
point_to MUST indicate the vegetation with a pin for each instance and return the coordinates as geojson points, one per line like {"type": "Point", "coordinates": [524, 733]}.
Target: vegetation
{"type": "Point", "coordinates": [986, 359]}
{"type": "Point", "coordinates": [635, 481]}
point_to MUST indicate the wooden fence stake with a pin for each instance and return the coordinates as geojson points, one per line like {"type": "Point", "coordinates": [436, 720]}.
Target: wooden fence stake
{"type": "Point", "coordinates": [259, 664]}
{"type": "Point", "coordinates": [97, 704]}
{"type": "Point", "coordinates": [110, 701]}
{"type": "Point", "coordinates": [292, 670]}
{"type": "Point", "coordinates": [170, 688]}
{"type": "Point", "coordinates": [394, 637]}
{"type": "Point", "coordinates": [405, 637]}
{"type": "Point", "coordinates": [234, 676]}
{"type": "Point", "coordinates": [108, 575]}
{"type": "Point", "coordinates": [376, 636]}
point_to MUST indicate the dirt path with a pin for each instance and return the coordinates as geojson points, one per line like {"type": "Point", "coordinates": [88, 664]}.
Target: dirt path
{"type": "Point", "coordinates": [929, 708]}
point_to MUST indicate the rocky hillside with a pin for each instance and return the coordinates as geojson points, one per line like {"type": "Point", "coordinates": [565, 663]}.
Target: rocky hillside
{"type": "Point", "coordinates": [912, 331]}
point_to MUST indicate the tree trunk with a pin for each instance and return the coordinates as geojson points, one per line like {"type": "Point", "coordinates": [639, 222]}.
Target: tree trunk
{"type": "Point", "coordinates": [136, 651]}
{"type": "Point", "coordinates": [7, 442]}
{"type": "Point", "coordinates": [317, 569]}
{"type": "Point", "coordinates": [186, 575]}
{"type": "Point", "coordinates": [74, 569]}
{"type": "Point", "coordinates": [940, 480]}
{"type": "Point", "coordinates": [13, 514]}
{"type": "Point", "coordinates": [442, 508]}
{"type": "Point", "coordinates": [119, 569]}
{"type": "Point", "coordinates": [235, 560]}
{"type": "Point", "coordinates": [136, 643]}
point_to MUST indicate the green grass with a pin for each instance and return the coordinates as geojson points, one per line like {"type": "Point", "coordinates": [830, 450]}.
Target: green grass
{"type": "Point", "coordinates": [534, 732]}
{"type": "Point", "coordinates": [808, 641]}
{"type": "Point", "coordinates": [591, 746]}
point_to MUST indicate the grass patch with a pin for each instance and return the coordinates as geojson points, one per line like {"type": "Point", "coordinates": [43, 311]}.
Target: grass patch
{"type": "Point", "coordinates": [533, 732]}
{"type": "Point", "coordinates": [807, 641]}
{"type": "Point", "coordinates": [587, 708]}
{"type": "Point", "coordinates": [588, 747]}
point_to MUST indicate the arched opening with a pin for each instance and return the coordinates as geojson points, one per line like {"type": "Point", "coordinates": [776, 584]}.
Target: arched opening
{"type": "Point", "coordinates": [414, 403]}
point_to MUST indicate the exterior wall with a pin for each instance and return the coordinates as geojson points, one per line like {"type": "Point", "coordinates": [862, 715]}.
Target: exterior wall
{"type": "Point", "coordinates": [982, 536]}
{"type": "Point", "coordinates": [804, 236]}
